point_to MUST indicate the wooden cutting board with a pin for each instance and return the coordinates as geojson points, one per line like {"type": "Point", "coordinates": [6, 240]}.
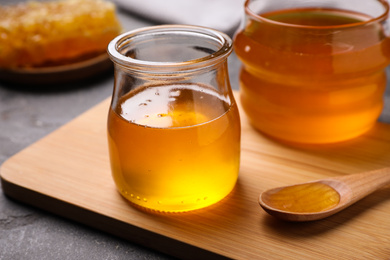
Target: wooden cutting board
{"type": "Point", "coordinates": [68, 173]}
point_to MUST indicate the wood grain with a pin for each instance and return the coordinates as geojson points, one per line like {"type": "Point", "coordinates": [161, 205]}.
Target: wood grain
{"type": "Point", "coordinates": [68, 173]}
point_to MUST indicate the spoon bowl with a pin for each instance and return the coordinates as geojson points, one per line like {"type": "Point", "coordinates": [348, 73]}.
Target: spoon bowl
{"type": "Point", "coordinates": [322, 198]}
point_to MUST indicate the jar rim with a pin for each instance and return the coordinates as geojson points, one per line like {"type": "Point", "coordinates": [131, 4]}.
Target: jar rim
{"type": "Point", "coordinates": [259, 17]}
{"type": "Point", "coordinates": [223, 40]}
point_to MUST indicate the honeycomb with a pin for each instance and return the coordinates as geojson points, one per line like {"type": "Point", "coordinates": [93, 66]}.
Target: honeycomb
{"type": "Point", "coordinates": [39, 34]}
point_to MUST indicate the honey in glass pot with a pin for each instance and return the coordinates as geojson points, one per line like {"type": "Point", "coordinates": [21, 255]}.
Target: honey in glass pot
{"type": "Point", "coordinates": [173, 125]}
{"type": "Point", "coordinates": [313, 73]}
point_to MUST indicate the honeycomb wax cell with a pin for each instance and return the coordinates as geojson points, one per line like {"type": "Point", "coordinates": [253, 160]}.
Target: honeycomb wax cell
{"type": "Point", "coordinates": [36, 34]}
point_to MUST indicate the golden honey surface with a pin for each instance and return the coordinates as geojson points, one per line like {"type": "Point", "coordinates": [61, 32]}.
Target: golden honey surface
{"type": "Point", "coordinates": [34, 34]}
{"type": "Point", "coordinates": [305, 198]}
{"type": "Point", "coordinates": [174, 148]}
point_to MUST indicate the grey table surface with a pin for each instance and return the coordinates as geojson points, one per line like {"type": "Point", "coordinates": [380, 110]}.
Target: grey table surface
{"type": "Point", "coordinates": [28, 114]}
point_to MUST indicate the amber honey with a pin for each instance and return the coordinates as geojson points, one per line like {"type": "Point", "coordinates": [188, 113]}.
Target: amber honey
{"type": "Point", "coordinates": [312, 75]}
{"type": "Point", "coordinates": [174, 147]}
{"type": "Point", "coordinates": [305, 198]}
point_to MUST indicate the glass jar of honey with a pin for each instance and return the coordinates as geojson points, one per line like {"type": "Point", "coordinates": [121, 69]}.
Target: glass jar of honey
{"type": "Point", "coordinates": [173, 124]}
{"type": "Point", "coordinates": [313, 71]}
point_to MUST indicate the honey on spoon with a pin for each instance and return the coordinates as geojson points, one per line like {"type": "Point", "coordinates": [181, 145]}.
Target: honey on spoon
{"type": "Point", "coordinates": [322, 198]}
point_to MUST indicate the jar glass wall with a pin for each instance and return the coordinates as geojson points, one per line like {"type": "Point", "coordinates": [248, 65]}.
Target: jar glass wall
{"type": "Point", "coordinates": [173, 124]}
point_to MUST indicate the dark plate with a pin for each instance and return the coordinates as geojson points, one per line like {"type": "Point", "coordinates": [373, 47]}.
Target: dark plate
{"type": "Point", "coordinates": [58, 74]}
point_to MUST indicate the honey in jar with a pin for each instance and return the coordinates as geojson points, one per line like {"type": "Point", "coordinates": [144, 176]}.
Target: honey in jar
{"type": "Point", "coordinates": [313, 74]}
{"type": "Point", "coordinates": [168, 155]}
{"type": "Point", "coordinates": [173, 124]}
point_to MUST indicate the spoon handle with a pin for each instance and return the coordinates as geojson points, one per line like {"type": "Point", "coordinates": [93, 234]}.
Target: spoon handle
{"type": "Point", "coordinates": [362, 184]}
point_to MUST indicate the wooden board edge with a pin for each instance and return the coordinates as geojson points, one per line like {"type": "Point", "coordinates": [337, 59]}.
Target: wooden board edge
{"type": "Point", "coordinates": [123, 230]}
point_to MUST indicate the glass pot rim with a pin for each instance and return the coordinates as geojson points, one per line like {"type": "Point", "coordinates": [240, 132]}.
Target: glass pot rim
{"type": "Point", "coordinates": [249, 12]}
{"type": "Point", "coordinates": [224, 42]}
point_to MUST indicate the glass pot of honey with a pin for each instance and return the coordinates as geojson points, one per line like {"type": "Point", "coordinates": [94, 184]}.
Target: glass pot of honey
{"type": "Point", "coordinates": [313, 71]}
{"type": "Point", "coordinates": [173, 124]}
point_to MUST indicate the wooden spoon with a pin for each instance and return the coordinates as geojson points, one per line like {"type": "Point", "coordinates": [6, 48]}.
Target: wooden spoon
{"type": "Point", "coordinates": [322, 198]}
